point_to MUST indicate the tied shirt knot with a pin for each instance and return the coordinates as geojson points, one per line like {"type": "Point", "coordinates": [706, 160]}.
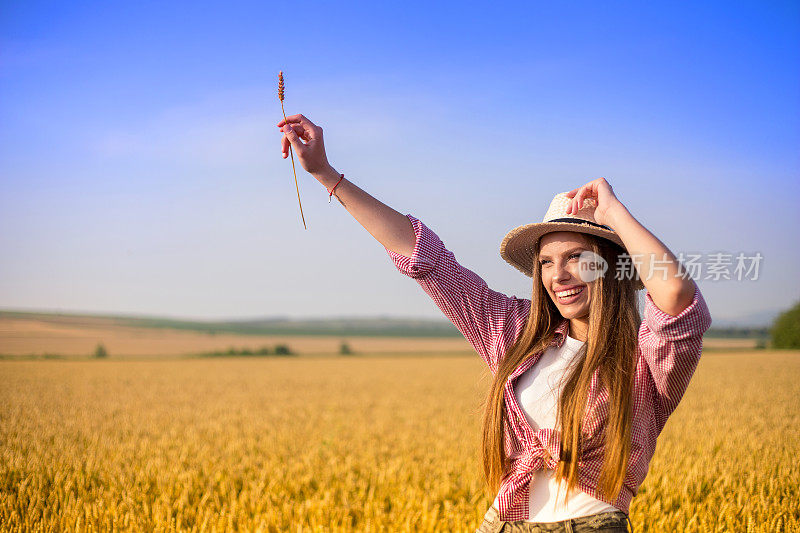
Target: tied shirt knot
{"type": "Point", "coordinates": [540, 452]}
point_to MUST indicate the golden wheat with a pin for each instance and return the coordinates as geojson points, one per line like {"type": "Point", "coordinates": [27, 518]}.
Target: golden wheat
{"type": "Point", "coordinates": [353, 444]}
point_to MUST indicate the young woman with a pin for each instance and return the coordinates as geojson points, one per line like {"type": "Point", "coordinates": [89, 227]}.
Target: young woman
{"type": "Point", "coordinates": [582, 386]}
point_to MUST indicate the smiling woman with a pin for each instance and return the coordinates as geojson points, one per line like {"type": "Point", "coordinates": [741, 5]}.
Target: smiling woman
{"type": "Point", "coordinates": [618, 378]}
{"type": "Point", "coordinates": [566, 287]}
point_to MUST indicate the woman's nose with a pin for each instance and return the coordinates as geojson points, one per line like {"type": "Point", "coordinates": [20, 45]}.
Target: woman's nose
{"type": "Point", "coordinates": [560, 274]}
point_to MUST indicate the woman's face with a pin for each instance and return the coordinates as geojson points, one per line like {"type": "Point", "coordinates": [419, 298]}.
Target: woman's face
{"type": "Point", "coordinates": [559, 261]}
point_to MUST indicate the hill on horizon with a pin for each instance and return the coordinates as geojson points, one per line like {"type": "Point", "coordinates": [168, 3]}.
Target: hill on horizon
{"type": "Point", "coordinates": [380, 326]}
{"type": "Point", "coordinates": [351, 326]}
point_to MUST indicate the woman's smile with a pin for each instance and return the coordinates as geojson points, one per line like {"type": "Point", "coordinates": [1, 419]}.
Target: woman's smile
{"type": "Point", "coordinates": [569, 296]}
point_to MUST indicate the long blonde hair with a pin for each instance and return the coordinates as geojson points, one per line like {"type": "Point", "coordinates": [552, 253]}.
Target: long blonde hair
{"type": "Point", "coordinates": [610, 350]}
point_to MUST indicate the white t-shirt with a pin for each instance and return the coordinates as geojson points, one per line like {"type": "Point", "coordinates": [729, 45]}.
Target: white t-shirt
{"type": "Point", "coordinates": [537, 391]}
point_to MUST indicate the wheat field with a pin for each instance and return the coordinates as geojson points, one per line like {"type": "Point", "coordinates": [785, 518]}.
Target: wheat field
{"type": "Point", "coordinates": [76, 338]}
{"type": "Point", "coordinates": [353, 444]}
{"type": "Point", "coordinates": [72, 337]}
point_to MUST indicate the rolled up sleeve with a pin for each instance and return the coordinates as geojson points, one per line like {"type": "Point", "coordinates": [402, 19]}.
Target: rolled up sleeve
{"type": "Point", "coordinates": [428, 247]}
{"type": "Point", "coordinates": [671, 346]}
{"type": "Point", "coordinates": [482, 315]}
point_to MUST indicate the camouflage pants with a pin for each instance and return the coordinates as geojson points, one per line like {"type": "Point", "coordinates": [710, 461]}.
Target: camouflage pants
{"type": "Point", "coordinates": [611, 522]}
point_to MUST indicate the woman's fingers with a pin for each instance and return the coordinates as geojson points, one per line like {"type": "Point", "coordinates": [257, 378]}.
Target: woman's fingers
{"type": "Point", "coordinates": [299, 132]}
{"type": "Point", "coordinates": [285, 146]}
{"type": "Point", "coordinates": [296, 129]}
{"type": "Point", "coordinates": [575, 193]}
{"type": "Point", "coordinates": [292, 137]}
{"type": "Point", "coordinates": [571, 194]}
{"type": "Point", "coordinates": [306, 132]}
{"type": "Point", "coordinates": [581, 194]}
{"type": "Point", "coordinates": [302, 124]}
{"type": "Point", "coordinates": [579, 198]}
{"type": "Point", "coordinates": [290, 118]}
{"type": "Point", "coordinates": [297, 119]}
{"type": "Point", "coordinates": [590, 191]}
{"type": "Point", "coordinates": [302, 133]}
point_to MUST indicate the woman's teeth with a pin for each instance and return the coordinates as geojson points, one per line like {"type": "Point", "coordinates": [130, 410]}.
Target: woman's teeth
{"type": "Point", "coordinates": [564, 295]}
{"type": "Point", "coordinates": [569, 292]}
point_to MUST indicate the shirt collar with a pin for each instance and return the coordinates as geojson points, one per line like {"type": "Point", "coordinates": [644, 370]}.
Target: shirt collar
{"type": "Point", "coordinates": [560, 334]}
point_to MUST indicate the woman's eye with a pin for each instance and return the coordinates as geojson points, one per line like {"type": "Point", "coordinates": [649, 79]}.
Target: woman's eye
{"type": "Point", "coordinates": [543, 261]}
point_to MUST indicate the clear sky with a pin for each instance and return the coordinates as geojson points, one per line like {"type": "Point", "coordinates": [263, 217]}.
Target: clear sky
{"type": "Point", "coordinates": [140, 165]}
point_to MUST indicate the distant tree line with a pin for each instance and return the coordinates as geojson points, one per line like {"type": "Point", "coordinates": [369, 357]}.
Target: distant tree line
{"type": "Point", "coordinates": [100, 351]}
{"type": "Point", "coordinates": [737, 333]}
{"type": "Point", "coordinates": [785, 331]}
{"type": "Point", "coordinates": [279, 349]}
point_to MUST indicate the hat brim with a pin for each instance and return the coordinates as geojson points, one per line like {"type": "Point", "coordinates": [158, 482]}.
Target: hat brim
{"type": "Point", "coordinates": [518, 244]}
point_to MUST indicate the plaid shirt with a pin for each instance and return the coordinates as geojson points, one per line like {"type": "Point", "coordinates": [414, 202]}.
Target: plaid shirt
{"type": "Point", "coordinates": [669, 348]}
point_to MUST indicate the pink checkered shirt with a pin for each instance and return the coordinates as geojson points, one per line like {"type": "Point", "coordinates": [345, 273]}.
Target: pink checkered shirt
{"type": "Point", "coordinates": [669, 345]}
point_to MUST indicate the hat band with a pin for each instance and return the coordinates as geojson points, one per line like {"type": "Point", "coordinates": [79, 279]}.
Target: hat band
{"type": "Point", "coordinates": [579, 221]}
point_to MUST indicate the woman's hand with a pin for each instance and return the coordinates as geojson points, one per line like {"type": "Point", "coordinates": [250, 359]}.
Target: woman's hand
{"type": "Point", "coordinates": [311, 153]}
{"type": "Point", "coordinates": [606, 203]}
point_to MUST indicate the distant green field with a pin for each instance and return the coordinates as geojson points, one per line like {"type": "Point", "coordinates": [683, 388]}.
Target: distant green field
{"type": "Point", "coordinates": [351, 327]}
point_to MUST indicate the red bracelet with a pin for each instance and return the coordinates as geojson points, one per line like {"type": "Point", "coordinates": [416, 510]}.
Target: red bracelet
{"type": "Point", "coordinates": [334, 188]}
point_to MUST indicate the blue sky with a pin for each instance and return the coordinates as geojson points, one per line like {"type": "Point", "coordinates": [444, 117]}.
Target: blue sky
{"type": "Point", "coordinates": [140, 166]}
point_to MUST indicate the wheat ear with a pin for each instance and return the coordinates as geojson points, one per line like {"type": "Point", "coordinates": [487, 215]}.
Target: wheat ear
{"type": "Point", "coordinates": [280, 97]}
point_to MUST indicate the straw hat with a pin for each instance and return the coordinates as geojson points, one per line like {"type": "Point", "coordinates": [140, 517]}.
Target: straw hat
{"type": "Point", "coordinates": [517, 246]}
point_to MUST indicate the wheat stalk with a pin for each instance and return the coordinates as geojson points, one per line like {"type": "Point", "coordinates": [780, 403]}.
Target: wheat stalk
{"type": "Point", "coordinates": [280, 97]}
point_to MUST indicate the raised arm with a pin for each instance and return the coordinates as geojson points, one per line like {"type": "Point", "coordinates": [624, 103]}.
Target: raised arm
{"type": "Point", "coordinates": [671, 347]}
{"type": "Point", "coordinates": [392, 229]}
{"type": "Point", "coordinates": [488, 319]}
{"type": "Point", "coordinates": [658, 268]}
{"type": "Point", "coordinates": [483, 316]}
{"type": "Point", "coordinates": [675, 313]}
